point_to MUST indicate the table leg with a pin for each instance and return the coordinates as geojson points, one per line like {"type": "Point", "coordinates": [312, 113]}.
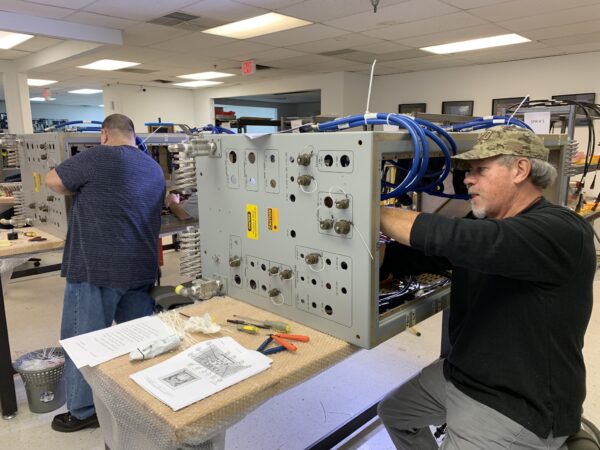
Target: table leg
{"type": "Point", "coordinates": [8, 399]}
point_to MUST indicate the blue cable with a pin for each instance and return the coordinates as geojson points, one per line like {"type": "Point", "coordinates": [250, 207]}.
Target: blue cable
{"type": "Point", "coordinates": [487, 122]}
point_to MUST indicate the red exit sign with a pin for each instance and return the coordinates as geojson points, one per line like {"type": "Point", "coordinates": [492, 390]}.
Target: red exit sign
{"type": "Point", "coordinates": [248, 67]}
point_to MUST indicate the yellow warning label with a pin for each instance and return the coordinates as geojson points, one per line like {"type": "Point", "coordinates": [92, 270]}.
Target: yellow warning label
{"type": "Point", "coordinates": [273, 219]}
{"type": "Point", "coordinates": [252, 222]}
{"type": "Point", "coordinates": [36, 186]}
{"type": "Point", "coordinates": [41, 178]}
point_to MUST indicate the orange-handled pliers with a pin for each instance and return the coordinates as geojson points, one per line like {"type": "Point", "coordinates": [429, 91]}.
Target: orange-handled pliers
{"type": "Point", "coordinates": [282, 340]}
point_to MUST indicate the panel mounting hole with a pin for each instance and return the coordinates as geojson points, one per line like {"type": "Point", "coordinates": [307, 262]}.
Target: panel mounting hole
{"type": "Point", "coordinates": [344, 290]}
{"type": "Point", "coordinates": [314, 282]}
{"type": "Point", "coordinates": [232, 157]}
{"type": "Point", "coordinates": [328, 201]}
{"type": "Point", "coordinates": [263, 267]}
{"type": "Point", "coordinates": [328, 285]}
{"type": "Point", "coordinates": [314, 305]}
{"type": "Point", "coordinates": [293, 233]}
{"type": "Point", "coordinates": [237, 279]}
{"type": "Point", "coordinates": [328, 261]}
{"type": "Point", "coordinates": [272, 158]}
{"type": "Point", "coordinates": [344, 265]}
{"type": "Point", "coordinates": [273, 183]}
{"type": "Point", "coordinates": [263, 287]}
{"type": "Point", "coordinates": [345, 161]}
{"type": "Point", "coordinates": [292, 179]}
{"type": "Point", "coordinates": [253, 284]}
{"type": "Point", "coordinates": [328, 310]}
{"type": "Point", "coordinates": [292, 198]}
{"type": "Point", "coordinates": [252, 157]}
{"type": "Point", "coordinates": [328, 160]}
{"type": "Point", "coordinates": [359, 142]}
{"type": "Point", "coordinates": [252, 263]}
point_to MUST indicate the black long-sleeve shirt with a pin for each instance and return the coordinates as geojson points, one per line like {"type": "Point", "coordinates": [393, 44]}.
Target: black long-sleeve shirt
{"type": "Point", "coordinates": [520, 303]}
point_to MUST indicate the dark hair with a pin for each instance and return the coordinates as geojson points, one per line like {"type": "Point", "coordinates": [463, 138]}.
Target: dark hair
{"type": "Point", "coordinates": [119, 123]}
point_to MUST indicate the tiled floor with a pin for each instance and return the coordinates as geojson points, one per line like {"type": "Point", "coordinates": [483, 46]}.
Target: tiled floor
{"type": "Point", "coordinates": [290, 421]}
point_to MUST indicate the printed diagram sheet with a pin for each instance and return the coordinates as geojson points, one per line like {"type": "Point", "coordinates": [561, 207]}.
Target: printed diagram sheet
{"type": "Point", "coordinates": [200, 371]}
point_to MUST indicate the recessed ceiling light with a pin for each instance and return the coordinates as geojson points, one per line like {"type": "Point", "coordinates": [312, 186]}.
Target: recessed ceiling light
{"type": "Point", "coordinates": [41, 99]}
{"type": "Point", "coordinates": [10, 40]}
{"type": "Point", "coordinates": [205, 75]}
{"type": "Point", "coordinates": [37, 82]}
{"type": "Point", "coordinates": [198, 83]}
{"type": "Point", "coordinates": [258, 26]}
{"type": "Point", "coordinates": [85, 91]}
{"type": "Point", "coordinates": [476, 44]}
{"type": "Point", "coordinates": [109, 64]}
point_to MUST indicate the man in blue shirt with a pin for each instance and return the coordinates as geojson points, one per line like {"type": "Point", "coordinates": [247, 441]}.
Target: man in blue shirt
{"type": "Point", "coordinates": [111, 253]}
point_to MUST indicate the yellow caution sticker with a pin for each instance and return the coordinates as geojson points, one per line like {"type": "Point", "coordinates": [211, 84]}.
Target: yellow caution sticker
{"type": "Point", "coordinates": [273, 219]}
{"type": "Point", "coordinates": [36, 186]}
{"type": "Point", "coordinates": [41, 178]}
{"type": "Point", "coordinates": [252, 222]}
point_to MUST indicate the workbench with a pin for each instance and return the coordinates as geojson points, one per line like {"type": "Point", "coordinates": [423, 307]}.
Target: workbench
{"type": "Point", "coordinates": [130, 418]}
{"type": "Point", "coordinates": [17, 249]}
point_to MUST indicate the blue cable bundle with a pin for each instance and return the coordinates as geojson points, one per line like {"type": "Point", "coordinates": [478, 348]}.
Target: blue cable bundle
{"type": "Point", "coordinates": [487, 122]}
{"type": "Point", "coordinates": [76, 122]}
{"type": "Point", "coordinates": [419, 177]}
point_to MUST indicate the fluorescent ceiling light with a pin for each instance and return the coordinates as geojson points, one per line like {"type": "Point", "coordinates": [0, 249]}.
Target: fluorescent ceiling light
{"type": "Point", "coordinates": [257, 26]}
{"type": "Point", "coordinates": [205, 75]}
{"type": "Point", "coordinates": [476, 44]}
{"type": "Point", "coordinates": [101, 106]}
{"type": "Point", "coordinates": [10, 40]}
{"type": "Point", "coordinates": [36, 82]}
{"type": "Point", "coordinates": [86, 91]}
{"type": "Point", "coordinates": [109, 64]}
{"type": "Point", "coordinates": [198, 83]}
{"type": "Point", "coordinates": [41, 99]}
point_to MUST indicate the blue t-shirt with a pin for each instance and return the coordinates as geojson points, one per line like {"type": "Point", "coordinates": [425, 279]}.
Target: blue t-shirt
{"type": "Point", "coordinates": [112, 239]}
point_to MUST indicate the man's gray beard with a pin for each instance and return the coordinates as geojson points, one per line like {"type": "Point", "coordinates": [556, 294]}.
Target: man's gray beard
{"type": "Point", "coordinates": [480, 213]}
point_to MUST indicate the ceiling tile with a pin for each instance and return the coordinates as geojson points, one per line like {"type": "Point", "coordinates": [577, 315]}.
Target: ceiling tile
{"type": "Point", "coordinates": [322, 11]}
{"type": "Point", "coordinates": [99, 20]}
{"type": "Point", "coordinates": [223, 10]}
{"type": "Point", "coordinates": [145, 34]}
{"type": "Point", "coordinates": [523, 9]}
{"type": "Point", "coordinates": [12, 54]}
{"type": "Point", "coordinates": [405, 54]}
{"type": "Point", "coordinates": [71, 4]}
{"type": "Point", "coordinates": [350, 40]}
{"type": "Point", "coordinates": [580, 48]}
{"type": "Point", "coordinates": [189, 43]}
{"type": "Point", "coordinates": [275, 54]}
{"type": "Point", "coordinates": [383, 47]}
{"type": "Point", "coordinates": [586, 38]}
{"type": "Point", "coordinates": [33, 9]}
{"type": "Point", "coordinates": [515, 52]}
{"type": "Point", "coordinates": [455, 21]}
{"type": "Point", "coordinates": [269, 4]}
{"type": "Point", "coordinates": [470, 4]}
{"type": "Point", "coordinates": [137, 9]}
{"type": "Point", "coordinates": [299, 35]}
{"type": "Point", "coordinates": [392, 15]}
{"type": "Point", "coordinates": [561, 31]}
{"type": "Point", "coordinates": [299, 61]}
{"type": "Point", "coordinates": [37, 43]}
{"type": "Point", "coordinates": [235, 49]}
{"type": "Point", "coordinates": [452, 36]}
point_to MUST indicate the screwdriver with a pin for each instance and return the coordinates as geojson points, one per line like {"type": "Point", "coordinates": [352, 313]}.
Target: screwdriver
{"type": "Point", "coordinates": [243, 322]}
{"type": "Point", "coordinates": [273, 324]}
{"type": "Point", "coordinates": [250, 329]}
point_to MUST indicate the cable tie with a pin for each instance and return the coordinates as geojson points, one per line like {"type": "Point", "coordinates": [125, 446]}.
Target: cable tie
{"type": "Point", "coordinates": [499, 121]}
{"type": "Point", "coordinates": [488, 117]}
{"type": "Point", "coordinates": [387, 119]}
{"type": "Point", "coordinates": [341, 126]}
{"type": "Point", "coordinates": [370, 116]}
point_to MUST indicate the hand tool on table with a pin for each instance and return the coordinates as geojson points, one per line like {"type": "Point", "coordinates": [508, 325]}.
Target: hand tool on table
{"type": "Point", "coordinates": [273, 324]}
{"type": "Point", "coordinates": [282, 340]}
{"type": "Point", "coordinates": [243, 322]}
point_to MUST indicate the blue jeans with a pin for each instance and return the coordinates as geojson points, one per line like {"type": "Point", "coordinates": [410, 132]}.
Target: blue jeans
{"type": "Point", "coordinates": [90, 308]}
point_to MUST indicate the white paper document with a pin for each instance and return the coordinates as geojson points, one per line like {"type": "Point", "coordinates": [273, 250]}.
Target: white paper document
{"type": "Point", "coordinates": [200, 371]}
{"type": "Point", "coordinates": [93, 348]}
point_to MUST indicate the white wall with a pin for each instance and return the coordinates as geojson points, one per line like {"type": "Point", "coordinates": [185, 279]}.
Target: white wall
{"type": "Point", "coordinates": [334, 100]}
{"type": "Point", "coordinates": [54, 111]}
{"type": "Point", "coordinates": [170, 104]}
{"type": "Point", "coordinates": [540, 78]}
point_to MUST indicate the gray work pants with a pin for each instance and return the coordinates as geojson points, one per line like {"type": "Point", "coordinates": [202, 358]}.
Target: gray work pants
{"type": "Point", "coordinates": [428, 399]}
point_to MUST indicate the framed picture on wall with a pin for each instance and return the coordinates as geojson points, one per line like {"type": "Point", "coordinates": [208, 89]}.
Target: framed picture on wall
{"type": "Point", "coordinates": [458, 108]}
{"type": "Point", "coordinates": [500, 105]}
{"type": "Point", "coordinates": [589, 97]}
{"type": "Point", "coordinates": [407, 108]}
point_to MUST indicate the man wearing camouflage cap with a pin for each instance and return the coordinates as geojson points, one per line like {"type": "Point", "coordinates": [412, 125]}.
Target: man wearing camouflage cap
{"type": "Point", "coordinates": [522, 274]}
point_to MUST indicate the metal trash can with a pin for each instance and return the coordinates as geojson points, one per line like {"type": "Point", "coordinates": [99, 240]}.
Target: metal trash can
{"type": "Point", "coordinates": [42, 373]}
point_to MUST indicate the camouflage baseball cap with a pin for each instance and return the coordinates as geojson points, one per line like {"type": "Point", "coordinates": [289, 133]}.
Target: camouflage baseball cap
{"type": "Point", "coordinates": [504, 140]}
